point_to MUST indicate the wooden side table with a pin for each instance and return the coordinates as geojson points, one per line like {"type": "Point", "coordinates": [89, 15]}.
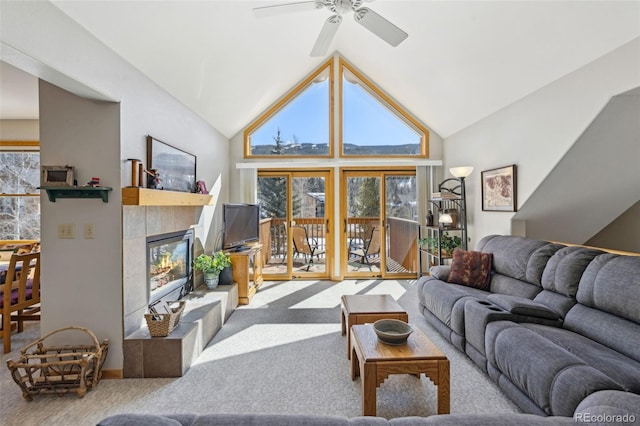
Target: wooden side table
{"type": "Point", "coordinates": [375, 361]}
{"type": "Point", "coordinates": [368, 308]}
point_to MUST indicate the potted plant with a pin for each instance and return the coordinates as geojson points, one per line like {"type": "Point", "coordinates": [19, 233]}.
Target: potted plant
{"type": "Point", "coordinates": [449, 243]}
{"type": "Point", "coordinates": [211, 266]}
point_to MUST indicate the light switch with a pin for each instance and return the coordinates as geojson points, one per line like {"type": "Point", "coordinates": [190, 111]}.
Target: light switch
{"type": "Point", "coordinates": [89, 231]}
{"type": "Point", "coordinates": [66, 231]}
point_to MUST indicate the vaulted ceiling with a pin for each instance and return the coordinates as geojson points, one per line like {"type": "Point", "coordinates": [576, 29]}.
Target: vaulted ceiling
{"type": "Point", "coordinates": [462, 61]}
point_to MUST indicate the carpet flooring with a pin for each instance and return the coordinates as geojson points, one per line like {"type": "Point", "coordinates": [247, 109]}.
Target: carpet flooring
{"type": "Point", "coordinates": [283, 353]}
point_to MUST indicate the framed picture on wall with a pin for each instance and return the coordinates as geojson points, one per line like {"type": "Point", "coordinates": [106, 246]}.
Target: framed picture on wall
{"type": "Point", "coordinates": [499, 189]}
{"type": "Point", "coordinates": [175, 168]}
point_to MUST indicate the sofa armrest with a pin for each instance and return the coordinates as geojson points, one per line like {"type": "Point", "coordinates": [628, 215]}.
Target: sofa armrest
{"type": "Point", "coordinates": [521, 306]}
{"type": "Point", "coordinates": [440, 272]}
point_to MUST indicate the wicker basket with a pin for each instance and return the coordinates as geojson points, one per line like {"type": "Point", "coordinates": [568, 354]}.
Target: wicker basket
{"type": "Point", "coordinates": [166, 323]}
{"type": "Point", "coordinates": [59, 369]}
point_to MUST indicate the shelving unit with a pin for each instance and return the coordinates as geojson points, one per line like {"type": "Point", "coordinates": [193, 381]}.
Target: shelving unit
{"type": "Point", "coordinates": [55, 192]}
{"type": "Point", "coordinates": [450, 199]}
{"type": "Point", "coordinates": [247, 272]}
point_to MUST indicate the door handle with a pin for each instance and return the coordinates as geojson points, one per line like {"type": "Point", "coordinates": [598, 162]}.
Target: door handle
{"type": "Point", "coordinates": [327, 228]}
{"type": "Point", "coordinates": [345, 226]}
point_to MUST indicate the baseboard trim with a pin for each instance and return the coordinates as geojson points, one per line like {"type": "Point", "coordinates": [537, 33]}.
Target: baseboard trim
{"type": "Point", "coordinates": [112, 374]}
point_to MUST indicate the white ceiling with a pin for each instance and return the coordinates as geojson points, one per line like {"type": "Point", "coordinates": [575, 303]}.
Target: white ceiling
{"type": "Point", "coordinates": [463, 60]}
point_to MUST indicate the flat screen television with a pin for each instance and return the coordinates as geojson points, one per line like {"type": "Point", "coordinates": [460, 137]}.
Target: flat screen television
{"type": "Point", "coordinates": [241, 225]}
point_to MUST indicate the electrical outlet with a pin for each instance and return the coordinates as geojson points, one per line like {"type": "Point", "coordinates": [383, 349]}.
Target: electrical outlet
{"type": "Point", "coordinates": [89, 231]}
{"type": "Point", "coordinates": [66, 231]}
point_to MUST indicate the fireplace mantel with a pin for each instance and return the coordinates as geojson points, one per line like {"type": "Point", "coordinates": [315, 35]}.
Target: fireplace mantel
{"type": "Point", "coordinates": [132, 196]}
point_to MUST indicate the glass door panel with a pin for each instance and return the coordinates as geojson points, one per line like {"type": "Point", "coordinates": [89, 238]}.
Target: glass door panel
{"type": "Point", "coordinates": [362, 224]}
{"type": "Point", "coordinates": [401, 215]}
{"type": "Point", "coordinates": [296, 210]}
{"type": "Point", "coordinates": [273, 197]}
{"type": "Point", "coordinates": [309, 225]}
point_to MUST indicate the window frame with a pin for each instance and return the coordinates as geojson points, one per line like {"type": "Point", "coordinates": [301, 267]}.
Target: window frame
{"type": "Point", "coordinates": [388, 103]}
{"type": "Point", "coordinates": [20, 146]}
{"type": "Point", "coordinates": [283, 102]}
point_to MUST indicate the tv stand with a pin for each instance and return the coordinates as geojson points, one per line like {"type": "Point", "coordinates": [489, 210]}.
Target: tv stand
{"type": "Point", "coordinates": [247, 271]}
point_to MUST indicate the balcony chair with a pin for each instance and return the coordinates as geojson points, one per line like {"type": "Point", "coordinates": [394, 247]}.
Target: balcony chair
{"type": "Point", "coordinates": [302, 245]}
{"type": "Point", "coordinates": [370, 247]}
{"type": "Point", "coordinates": [20, 294]}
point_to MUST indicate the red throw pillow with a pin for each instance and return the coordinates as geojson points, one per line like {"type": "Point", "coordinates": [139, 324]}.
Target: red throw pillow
{"type": "Point", "coordinates": [471, 268]}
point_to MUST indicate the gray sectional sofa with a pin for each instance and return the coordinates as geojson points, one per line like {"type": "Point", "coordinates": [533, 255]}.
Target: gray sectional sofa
{"type": "Point", "coordinates": [598, 408]}
{"type": "Point", "coordinates": [556, 325]}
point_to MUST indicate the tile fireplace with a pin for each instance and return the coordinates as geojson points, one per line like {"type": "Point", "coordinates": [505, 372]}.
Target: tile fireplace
{"type": "Point", "coordinates": [169, 266]}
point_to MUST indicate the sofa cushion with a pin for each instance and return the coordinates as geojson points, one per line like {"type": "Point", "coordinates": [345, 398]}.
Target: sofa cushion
{"type": "Point", "coordinates": [624, 405]}
{"type": "Point", "coordinates": [565, 268]}
{"type": "Point", "coordinates": [441, 297]}
{"type": "Point", "coordinates": [471, 269]}
{"type": "Point", "coordinates": [521, 258]}
{"type": "Point", "coordinates": [138, 420]}
{"type": "Point", "coordinates": [554, 378]}
{"type": "Point", "coordinates": [620, 368]}
{"type": "Point", "coordinates": [611, 283]}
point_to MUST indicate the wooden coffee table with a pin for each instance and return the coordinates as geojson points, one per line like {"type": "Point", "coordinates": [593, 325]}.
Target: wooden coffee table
{"type": "Point", "coordinates": [368, 308]}
{"type": "Point", "coordinates": [375, 361]}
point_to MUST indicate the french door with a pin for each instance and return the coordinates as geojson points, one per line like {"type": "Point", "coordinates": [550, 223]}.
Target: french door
{"type": "Point", "coordinates": [379, 224]}
{"type": "Point", "coordinates": [296, 207]}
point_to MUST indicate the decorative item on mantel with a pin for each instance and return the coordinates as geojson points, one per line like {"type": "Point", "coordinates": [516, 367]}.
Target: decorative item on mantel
{"type": "Point", "coordinates": [137, 171]}
{"type": "Point", "coordinates": [153, 179]}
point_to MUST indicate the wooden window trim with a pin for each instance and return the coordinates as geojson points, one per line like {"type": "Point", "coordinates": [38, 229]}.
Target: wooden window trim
{"type": "Point", "coordinates": [388, 103]}
{"type": "Point", "coordinates": [328, 65]}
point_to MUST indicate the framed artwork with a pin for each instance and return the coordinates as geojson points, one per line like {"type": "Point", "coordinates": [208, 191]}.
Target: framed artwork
{"type": "Point", "coordinates": [174, 169]}
{"type": "Point", "coordinates": [56, 176]}
{"type": "Point", "coordinates": [499, 189]}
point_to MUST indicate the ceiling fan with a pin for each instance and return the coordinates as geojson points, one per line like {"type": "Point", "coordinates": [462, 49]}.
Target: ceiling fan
{"type": "Point", "coordinates": [362, 15]}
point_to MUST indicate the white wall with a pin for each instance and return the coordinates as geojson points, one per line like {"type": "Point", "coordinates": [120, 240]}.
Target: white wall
{"type": "Point", "coordinates": [80, 277]}
{"type": "Point", "coordinates": [19, 130]}
{"type": "Point", "coordinates": [535, 132]}
{"type": "Point", "coordinates": [56, 49]}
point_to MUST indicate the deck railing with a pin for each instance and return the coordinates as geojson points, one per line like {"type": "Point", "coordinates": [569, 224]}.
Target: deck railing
{"type": "Point", "coordinates": [401, 236]}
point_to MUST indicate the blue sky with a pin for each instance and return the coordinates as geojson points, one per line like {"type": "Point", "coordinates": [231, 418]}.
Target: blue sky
{"type": "Point", "coordinates": [366, 121]}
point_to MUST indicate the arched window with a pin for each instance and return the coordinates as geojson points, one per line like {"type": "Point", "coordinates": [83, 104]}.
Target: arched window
{"type": "Point", "coordinates": [371, 123]}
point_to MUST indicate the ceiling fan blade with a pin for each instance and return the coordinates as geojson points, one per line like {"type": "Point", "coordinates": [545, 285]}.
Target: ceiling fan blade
{"type": "Point", "coordinates": [326, 35]}
{"type": "Point", "coordinates": [379, 26]}
{"type": "Point", "coordinates": [279, 9]}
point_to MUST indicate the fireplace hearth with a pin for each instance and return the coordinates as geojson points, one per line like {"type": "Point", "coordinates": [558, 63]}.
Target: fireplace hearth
{"type": "Point", "coordinates": [169, 270]}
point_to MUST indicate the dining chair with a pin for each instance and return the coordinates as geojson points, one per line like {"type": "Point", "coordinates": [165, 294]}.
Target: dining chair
{"type": "Point", "coordinates": [20, 294]}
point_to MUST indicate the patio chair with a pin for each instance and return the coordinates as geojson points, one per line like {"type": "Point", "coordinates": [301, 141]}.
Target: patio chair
{"type": "Point", "coordinates": [371, 247]}
{"type": "Point", "coordinates": [302, 245]}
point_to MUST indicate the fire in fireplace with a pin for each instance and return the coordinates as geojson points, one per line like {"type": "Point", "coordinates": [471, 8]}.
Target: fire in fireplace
{"type": "Point", "coordinates": [169, 258]}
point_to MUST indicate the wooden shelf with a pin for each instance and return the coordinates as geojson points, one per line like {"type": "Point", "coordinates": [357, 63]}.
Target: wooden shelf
{"type": "Point", "coordinates": [55, 192]}
{"type": "Point", "coordinates": [159, 197]}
